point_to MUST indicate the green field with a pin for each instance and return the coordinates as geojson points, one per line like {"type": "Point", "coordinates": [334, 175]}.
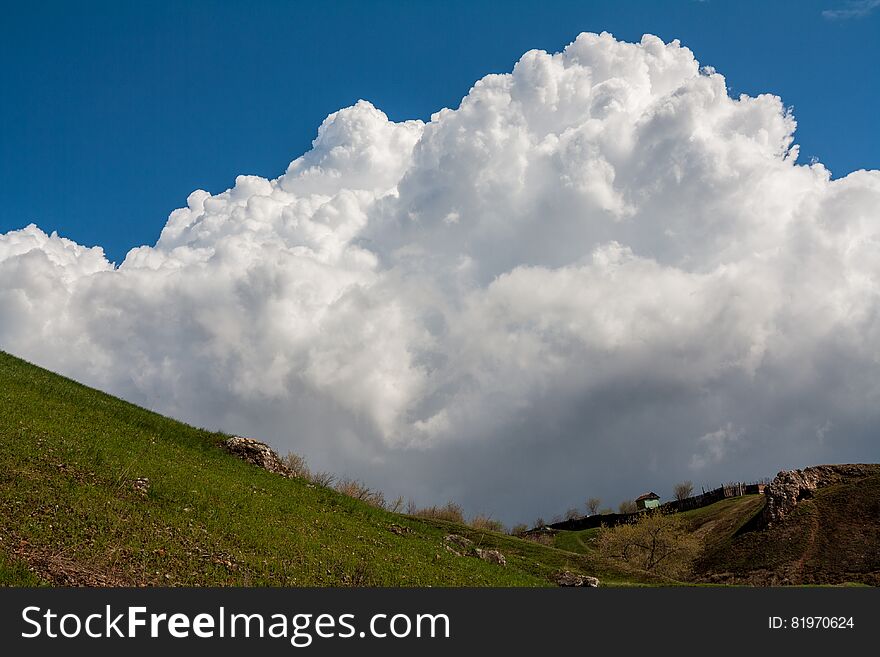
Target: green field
{"type": "Point", "coordinates": [70, 513]}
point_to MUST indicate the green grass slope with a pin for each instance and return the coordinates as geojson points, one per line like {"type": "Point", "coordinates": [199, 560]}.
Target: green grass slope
{"type": "Point", "coordinates": [70, 514]}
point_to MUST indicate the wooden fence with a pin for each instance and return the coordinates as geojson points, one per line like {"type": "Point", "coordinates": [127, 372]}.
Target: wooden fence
{"type": "Point", "coordinates": [705, 498]}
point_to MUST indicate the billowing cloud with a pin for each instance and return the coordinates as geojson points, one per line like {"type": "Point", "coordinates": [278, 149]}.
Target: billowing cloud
{"type": "Point", "coordinates": [599, 274]}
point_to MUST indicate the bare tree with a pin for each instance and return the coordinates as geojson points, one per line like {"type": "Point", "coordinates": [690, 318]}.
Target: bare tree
{"type": "Point", "coordinates": [627, 506]}
{"type": "Point", "coordinates": [683, 490]}
{"type": "Point", "coordinates": [572, 514]}
{"type": "Point", "coordinates": [593, 505]}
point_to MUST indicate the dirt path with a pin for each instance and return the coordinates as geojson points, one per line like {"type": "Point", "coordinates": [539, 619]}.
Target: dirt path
{"type": "Point", "coordinates": [809, 551]}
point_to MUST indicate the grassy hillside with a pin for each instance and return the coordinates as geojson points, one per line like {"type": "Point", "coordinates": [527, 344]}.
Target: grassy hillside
{"type": "Point", "coordinates": [71, 514]}
{"type": "Point", "coordinates": [716, 524]}
{"type": "Point", "coordinates": [832, 538]}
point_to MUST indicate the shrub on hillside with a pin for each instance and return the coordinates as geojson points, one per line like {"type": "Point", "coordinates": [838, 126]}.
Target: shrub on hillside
{"type": "Point", "coordinates": [485, 522]}
{"type": "Point", "coordinates": [653, 542]}
{"type": "Point", "coordinates": [450, 511]}
{"type": "Point", "coordinates": [323, 479]}
{"type": "Point", "coordinates": [543, 538]}
{"type": "Point", "coordinates": [300, 468]}
{"type": "Point", "coordinates": [360, 491]}
{"type": "Point", "coordinates": [297, 465]}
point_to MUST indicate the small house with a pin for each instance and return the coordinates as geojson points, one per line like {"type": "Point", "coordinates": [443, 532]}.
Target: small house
{"type": "Point", "coordinates": [647, 501]}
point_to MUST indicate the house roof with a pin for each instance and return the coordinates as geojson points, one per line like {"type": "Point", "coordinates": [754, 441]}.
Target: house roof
{"type": "Point", "coordinates": [648, 496]}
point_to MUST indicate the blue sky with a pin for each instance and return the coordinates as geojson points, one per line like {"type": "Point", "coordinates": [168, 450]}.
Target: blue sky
{"type": "Point", "coordinates": [113, 113]}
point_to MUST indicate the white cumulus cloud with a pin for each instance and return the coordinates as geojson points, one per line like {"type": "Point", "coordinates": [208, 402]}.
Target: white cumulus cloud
{"type": "Point", "coordinates": [540, 295]}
